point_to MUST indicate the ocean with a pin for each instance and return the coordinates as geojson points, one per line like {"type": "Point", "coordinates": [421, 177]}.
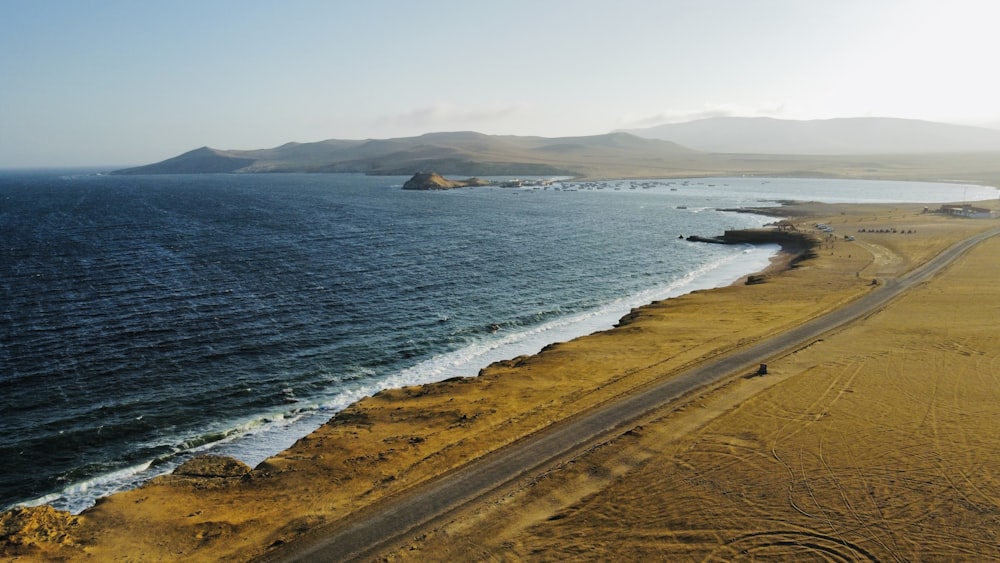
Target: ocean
{"type": "Point", "coordinates": [147, 319]}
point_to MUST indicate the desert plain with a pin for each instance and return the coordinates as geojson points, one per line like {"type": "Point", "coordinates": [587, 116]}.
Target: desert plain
{"type": "Point", "coordinates": [877, 441]}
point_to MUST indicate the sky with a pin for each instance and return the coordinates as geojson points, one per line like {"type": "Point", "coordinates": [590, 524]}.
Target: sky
{"type": "Point", "coordinates": [104, 82]}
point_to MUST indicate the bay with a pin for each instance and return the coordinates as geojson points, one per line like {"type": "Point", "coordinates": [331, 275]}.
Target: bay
{"type": "Point", "coordinates": [146, 319]}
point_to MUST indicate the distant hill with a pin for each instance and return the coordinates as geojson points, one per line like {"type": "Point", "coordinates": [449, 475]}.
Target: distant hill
{"type": "Point", "coordinates": [847, 136]}
{"type": "Point", "coordinates": [848, 148]}
{"type": "Point", "coordinates": [204, 160]}
{"type": "Point", "coordinates": [460, 153]}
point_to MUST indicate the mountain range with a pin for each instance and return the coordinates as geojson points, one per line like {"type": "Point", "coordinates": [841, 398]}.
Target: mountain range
{"type": "Point", "coordinates": [462, 153]}
{"type": "Point", "coordinates": [870, 147]}
{"type": "Point", "coordinates": [856, 135]}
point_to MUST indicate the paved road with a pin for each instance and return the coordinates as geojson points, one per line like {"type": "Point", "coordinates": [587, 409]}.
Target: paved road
{"type": "Point", "coordinates": [377, 526]}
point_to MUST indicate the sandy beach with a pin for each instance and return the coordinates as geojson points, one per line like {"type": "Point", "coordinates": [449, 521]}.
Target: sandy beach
{"type": "Point", "coordinates": [877, 441]}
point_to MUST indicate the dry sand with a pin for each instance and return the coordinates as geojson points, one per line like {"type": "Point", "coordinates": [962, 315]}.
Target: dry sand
{"type": "Point", "coordinates": [877, 442]}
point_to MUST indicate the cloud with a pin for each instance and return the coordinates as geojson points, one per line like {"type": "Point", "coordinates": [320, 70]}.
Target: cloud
{"type": "Point", "coordinates": [442, 116]}
{"type": "Point", "coordinates": [707, 111]}
{"type": "Point", "coordinates": [490, 119]}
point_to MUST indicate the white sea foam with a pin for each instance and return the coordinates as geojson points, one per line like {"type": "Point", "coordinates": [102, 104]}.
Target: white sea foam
{"type": "Point", "coordinates": [467, 361]}
{"type": "Point", "coordinates": [267, 439]}
{"type": "Point", "coordinates": [257, 438]}
{"type": "Point", "coordinates": [81, 495]}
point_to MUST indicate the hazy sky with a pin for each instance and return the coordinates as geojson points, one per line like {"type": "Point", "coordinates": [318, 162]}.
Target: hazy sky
{"type": "Point", "coordinates": [101, 82]}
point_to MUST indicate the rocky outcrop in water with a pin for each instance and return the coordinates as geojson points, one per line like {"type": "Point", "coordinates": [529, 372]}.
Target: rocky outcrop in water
{"type": "Point", "coordinates": [435, 181]}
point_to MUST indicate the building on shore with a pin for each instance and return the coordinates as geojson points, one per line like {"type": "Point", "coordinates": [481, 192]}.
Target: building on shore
{"type": "Point", "coordinates": [967, 211]}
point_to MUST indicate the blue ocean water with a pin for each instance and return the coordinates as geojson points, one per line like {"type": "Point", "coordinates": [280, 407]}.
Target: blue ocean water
{"type": "Point", "coordinates": [145, 319]}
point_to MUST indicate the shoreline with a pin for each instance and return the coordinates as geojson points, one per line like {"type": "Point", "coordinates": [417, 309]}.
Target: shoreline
{"type": "Point", "coordinates": [794, 247]}
{"type": "Point", "coordinates": [839, 426]}
{"type": "Point", "coordinates": [421, 431]}
{"type": "Point", "coordinates": [702, 282]}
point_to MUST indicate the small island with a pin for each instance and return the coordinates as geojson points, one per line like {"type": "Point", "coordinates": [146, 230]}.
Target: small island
{"type": "Point", "coordinates": [435, 181]}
